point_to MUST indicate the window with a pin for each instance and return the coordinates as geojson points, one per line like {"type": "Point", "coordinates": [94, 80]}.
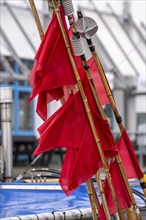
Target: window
{"type": "Point", "coordinates": [22, 110]}
{"type": "Point", "coordinates": [25, 112]}
{"type": "Point", "coordinates": [141, 129]}
{"type": "Point", "coordinates": [141, 118]}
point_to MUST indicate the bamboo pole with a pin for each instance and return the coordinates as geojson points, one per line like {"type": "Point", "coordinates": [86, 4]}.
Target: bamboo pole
{"type": "Point", "coordinates": [88, 73]}
{"type": "Point", "coordinates": [112, 101]}
{"type": "Point", "coordinates": [131, 214]}
{"type": "Point", "coordinates": [103, 198]}
{"type": "Point", "coordinates": [102, 194]}
{"type": "Point", "coordinates": [119, 161]}
{"type": "Point", "coordinates": [93, 199]}
{"type": "Point", "coordinates": [87, 109]}
{"type": "Point", "coordinates": [121, 127]}
{"type": "Point", "coordinates": [36, 17]}
{"type": "Point", "coordinates": [96, 199]}
{"type": "Point", "coordinates": [90, 187]}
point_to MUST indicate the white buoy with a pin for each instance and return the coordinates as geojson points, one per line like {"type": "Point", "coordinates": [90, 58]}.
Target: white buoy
{"type": "Point", "coordinates": [58, 215]}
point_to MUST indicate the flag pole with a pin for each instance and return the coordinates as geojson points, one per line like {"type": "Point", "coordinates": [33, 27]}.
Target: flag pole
{"type": "Point", "coordinates": [88, 73]}
{"type": "Point", "coordinates": [90, 187]}
{"type": "Point", "coordinates": [36, 17]}
{"type": "Point", "coordinates": [117, 158]}
{"type": "Point", "coordinates": [102, 113]}
{"type": "Point", "coordinates": [109, 94]}
{"type": "Point", "coordinates": [103, 198]}
{"type": "Point", "coordinates": [102, 194]}
{"type": "Point", "coordinates": [87, 109]}
{"type": "Point", "coordinates": [93, 199]}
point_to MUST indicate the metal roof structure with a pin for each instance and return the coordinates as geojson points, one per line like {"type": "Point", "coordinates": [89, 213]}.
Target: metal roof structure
{"type": "Point", "coordinates": [120, 42]}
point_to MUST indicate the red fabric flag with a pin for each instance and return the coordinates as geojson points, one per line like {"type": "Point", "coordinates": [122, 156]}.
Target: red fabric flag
{"type": "Point", "coordinates": [120, 189]}
{"type": "Point", "coordinates": [69, 127]}
{"type": "Point", "coordinates": [52, 69]}
{"type": "Point", "coordinates": [98, 82]}
{"type": "Point", "coordinates": [65, 128]}
{"type": "Point", "coordinates": [102, 126]}
{"type": "Point", "coordinates": [129, 159]}
{"type": "Point", "coordinates": [85, 163]}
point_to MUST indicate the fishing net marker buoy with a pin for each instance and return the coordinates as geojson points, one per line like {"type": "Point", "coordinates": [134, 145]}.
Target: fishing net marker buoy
{"type": "Point", "coordinates": [87, 27]}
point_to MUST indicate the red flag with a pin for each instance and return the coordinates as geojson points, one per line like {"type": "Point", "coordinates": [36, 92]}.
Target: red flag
{"type": "Point", "coordinates": [52, 69]}
{"type": "Point", "coordinates": [85, 163]}
{"type": "Point", "coordinates": [65, 128]}
{"type": "Point", "coordinates": [129, 159]}
{"type": "Point", "coordinates": [102, 126]}
{"type": "Point", "coordinates": [98, 82]}
{"type": "Point", "coordinates": [120, 189]}
{"type": "Point", "coordinates": [69, 127]}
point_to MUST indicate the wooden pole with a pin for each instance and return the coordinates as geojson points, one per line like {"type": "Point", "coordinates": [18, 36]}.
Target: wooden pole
{"type": "Point", "coordinates": [36, 17]}
{"type": "Point", "coordinates": [112, 101]}
{"type": "Point", "coordinates": [121, 126]}
{"type": "Point", "coordinates": [102, 194]}
{"type": "Point", "coordinates": [119, 161]}
{"type": "Point", "coordinates": [92, 86]}
{"type": "Point", "coordinates": [90, 187]}
{"type": "Point", "coordinates": [93, 199]}
{"type": "Point", "coordinates": [103, 198]}
{"type": "Point", "coordinates": [87, 109]}
{"type": "Point", "coordinates": [88, 73]}
{"type": "Point", "coordinates": [96, 198]}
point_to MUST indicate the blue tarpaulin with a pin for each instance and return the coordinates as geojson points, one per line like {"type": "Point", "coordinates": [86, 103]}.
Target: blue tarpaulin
{"type": "Point", "coordinates": [20, 198]}
{"type": "Point", "coordinates": [29, 198]}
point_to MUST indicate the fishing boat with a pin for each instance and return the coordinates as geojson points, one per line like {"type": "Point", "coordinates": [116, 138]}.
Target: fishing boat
{"type": "Point", "coordinates": [80, 190]}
